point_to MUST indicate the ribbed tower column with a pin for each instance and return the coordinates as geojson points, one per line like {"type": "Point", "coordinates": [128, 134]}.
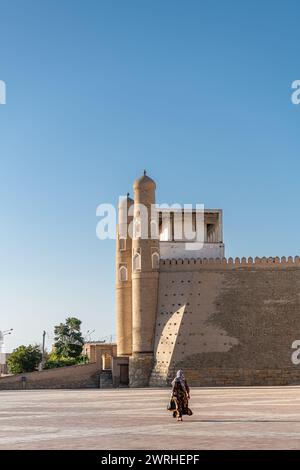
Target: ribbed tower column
{"type": "Point", "coordinates": [123, 279]}
{"type": "Point", "coordinates": [145, 272]}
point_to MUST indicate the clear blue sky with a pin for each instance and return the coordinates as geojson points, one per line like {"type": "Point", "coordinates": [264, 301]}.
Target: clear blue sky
{"type": "Point", "coordinates": [196, 92]}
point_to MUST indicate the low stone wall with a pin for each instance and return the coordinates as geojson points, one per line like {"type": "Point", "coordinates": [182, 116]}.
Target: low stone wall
{"type": "Point", "coordinates": [214, 377]}
{"type": "Point", "coordinates": [80, 376]}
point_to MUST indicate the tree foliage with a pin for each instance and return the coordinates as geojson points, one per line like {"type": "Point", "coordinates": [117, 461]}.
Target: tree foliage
{"type": "Point", "coordinates": [24, 359]}
{"type": "Point", "coordinates": [53, 361]}
{"type": "Point", "coordinates": [68, 339]}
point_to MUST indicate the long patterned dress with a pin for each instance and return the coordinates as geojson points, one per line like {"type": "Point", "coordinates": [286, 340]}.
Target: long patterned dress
{"type": "Point", "coordinates": [181, 400]}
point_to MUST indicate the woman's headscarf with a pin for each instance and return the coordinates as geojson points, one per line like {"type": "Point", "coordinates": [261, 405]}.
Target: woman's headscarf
{"type": "Point", "coordinates": [179, 378]}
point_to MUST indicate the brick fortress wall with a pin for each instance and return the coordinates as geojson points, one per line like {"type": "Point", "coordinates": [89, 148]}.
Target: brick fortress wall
{"type": "Point", "coordinates": [228, 322]}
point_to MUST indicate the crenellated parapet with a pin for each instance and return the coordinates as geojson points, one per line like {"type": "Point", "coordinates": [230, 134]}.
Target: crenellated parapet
{"type": "Point", "coordinates": [230, 263]}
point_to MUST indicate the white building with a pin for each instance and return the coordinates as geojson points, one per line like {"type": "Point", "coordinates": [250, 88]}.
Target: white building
{"type": "Point", "coordinates": [190, 233]}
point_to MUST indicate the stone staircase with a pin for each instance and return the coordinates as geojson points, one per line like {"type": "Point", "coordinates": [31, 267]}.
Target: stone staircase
{"type": "Point", "coordinates": [106, 380]}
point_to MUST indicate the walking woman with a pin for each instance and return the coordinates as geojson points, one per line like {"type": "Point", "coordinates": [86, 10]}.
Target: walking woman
{"type": "Point", "coordinates": [181, 395]}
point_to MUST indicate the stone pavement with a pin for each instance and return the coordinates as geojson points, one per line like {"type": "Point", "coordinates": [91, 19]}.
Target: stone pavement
{"type": "Point", "coordinates": [224, 418]}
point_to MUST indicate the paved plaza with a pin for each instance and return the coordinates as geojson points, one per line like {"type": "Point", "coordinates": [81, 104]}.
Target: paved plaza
{"type": "Point", "coordinates": [224, 418]}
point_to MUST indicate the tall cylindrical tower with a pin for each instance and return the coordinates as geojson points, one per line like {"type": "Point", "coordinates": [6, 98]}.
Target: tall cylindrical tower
{"type": "Point", "coordinates": [145, 272]}
{"type": "Point", "coordinates": [123, 279]}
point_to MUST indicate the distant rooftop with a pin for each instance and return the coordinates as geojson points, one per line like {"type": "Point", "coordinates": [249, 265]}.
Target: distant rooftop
{"type": "Point", "coordinates": [98, 342]}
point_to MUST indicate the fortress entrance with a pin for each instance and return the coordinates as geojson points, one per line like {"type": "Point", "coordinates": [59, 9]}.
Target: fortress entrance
{"type": "Point", "coordinates": [124, 374]}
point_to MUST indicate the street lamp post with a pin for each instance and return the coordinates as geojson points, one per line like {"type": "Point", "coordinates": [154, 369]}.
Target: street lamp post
{"type": "Point", "coordinates": [2, 338]}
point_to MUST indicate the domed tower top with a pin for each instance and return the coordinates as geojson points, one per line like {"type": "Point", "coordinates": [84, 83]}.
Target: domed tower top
{"type": "Point", "coordinates": [144, 182]}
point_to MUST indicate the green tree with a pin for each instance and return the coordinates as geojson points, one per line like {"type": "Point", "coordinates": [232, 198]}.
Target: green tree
{"type": "Point", "coordinates": [68, 339]}
{"type": "Point", "coordinates": [24, 359]}
{"type": "Point", "coordinates": [53, 361]}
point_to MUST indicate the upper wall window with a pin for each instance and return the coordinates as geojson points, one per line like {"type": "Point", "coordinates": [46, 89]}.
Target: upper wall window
{"type": "Point", "coordinates": [122, 244]}
{"type": "Point", "coordinates": [154, 229]}
{"type": "Point", "coordinates": [137, 261]}
{"type": "Point", "coordinates": [123, 273]}
{"type": "Point", "coordinates": [155, 260]}
{"type": "Point", "coordinates": [137, 227]}
{"type": "Point", "coordinates": [211, 233]}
